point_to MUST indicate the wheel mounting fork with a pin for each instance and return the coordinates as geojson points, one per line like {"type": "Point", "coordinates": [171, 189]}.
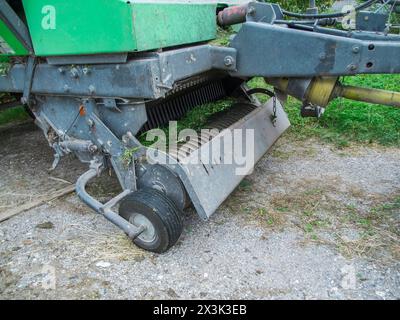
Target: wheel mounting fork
{"type": "Point", "coordinates": [106, 209]}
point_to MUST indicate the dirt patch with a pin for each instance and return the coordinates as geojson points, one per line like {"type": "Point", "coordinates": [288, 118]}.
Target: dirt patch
{"type": "Point", "coordinates": [329, 209]}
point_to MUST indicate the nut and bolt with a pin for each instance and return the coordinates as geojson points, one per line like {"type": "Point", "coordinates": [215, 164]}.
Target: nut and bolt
{"type": "Point", "coordinates": [356, 49]}
{"type": "Point", "coordinates": [228, 61]}
{"type": "Point", "coordinates": [352, 67]}
{"type": "Point", "coordinates": [75, 73]}
{"type": "Point", "coordinates": [92, 148]}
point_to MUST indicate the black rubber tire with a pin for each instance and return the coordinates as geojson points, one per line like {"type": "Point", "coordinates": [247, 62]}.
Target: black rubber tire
{"type": "Point", "coordinates": [163, 214]}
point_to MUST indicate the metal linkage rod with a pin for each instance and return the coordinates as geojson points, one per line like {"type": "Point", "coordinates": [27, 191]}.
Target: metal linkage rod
{"type": "Point", "coordinates": [132, 231]}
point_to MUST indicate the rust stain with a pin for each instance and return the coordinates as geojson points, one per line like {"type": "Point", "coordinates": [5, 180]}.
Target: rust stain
{"type": "Point", "coordinates": [82, 111]}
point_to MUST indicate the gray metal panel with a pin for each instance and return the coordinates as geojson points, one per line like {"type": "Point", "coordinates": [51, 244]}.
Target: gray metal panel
{"type": "Point", "coordinates": [209, 185]}
{"type": "Point", "coordinates": [184, 63]}
{"type": "Point", "coordinates": [308, 54]}
{"type": "Point", "coordinates": [357, 34]}
{"type": "Point", "coordinates": [148, 77]}
{"type": "Point", "coordinates": [127, 117]}
{"type": "Point", "coordinates": [134, 79]}
{"type": "Point", "coordinates": [371, 21]}
{"type": "Point", "coordinates": [89, 59]}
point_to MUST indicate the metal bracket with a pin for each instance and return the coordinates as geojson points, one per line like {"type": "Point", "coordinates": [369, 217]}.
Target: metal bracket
{"type": "Point", "coordinates": [111, 104]}
{"type": "Point", "coordinates": [109, 143]}
{"type": "Point", "coordinates": [223, 58]}
{"type": "Point", "coordinates": [29, 75]}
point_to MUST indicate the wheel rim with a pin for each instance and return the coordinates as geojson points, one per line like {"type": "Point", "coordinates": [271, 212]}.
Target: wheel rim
{"type": "Point", "coordinates": [149, 234]}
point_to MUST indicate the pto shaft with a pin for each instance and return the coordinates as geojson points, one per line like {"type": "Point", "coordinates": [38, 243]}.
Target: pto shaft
{"type": "Point", "coordinates": [321, 90]}
{"type": "Point", "coordinates": [376, 96]}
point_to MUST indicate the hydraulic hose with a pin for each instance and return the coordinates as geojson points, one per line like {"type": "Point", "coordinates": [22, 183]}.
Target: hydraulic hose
{"type": "Point", "coordinates": [362, 6]}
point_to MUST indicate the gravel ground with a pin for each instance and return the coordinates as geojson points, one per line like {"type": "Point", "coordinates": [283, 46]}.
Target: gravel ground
{"type": "Point", "coordinates": [312, 222]}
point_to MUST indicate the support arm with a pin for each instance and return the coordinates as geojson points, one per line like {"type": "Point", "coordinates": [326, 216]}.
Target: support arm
{"type": "Point", "coordinates": [305, 60]}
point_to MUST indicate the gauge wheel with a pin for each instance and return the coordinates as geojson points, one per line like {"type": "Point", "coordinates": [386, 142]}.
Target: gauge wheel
{"type": "Point", "coordinates": [159, 215]}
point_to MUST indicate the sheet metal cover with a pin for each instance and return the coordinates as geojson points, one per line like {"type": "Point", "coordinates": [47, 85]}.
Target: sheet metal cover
{"type": "Point", "coordinates": [209, 184]}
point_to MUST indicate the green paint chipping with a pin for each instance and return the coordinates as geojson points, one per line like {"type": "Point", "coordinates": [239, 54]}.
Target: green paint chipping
{"type": "Point", "coordinates": [76, 27]}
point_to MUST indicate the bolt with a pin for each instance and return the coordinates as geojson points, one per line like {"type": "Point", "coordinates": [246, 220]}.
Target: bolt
{"type": "Point", "coordinates": [92, 89]}
{"type": "Point", "coordinates": [66, 88]}
{"type": "Point", "coordinates": [322, 56]}
{"type": "Point", "coordinates": [61, 70]}
{"type": "Point", "coordinates": [130, 136]}
{"type": "Point", "coordinates": [366, 18]}
{"type": "Point", "coordinates": [24, 100]}
{"type": "Point", "coordinates": [352, 67]}
{"type": "Point", "coordinates": [92, 148]}
{"type": "Point", "coordinates": [228, 61]}
{"type": "Point", "coordinates": [90, 123]}
{"type": "Point", "coordinates": [356, 49]}
{"type": "Point", "coordinates": [75, 73]}
{"type": "Point", "coordinates": [86, 71]}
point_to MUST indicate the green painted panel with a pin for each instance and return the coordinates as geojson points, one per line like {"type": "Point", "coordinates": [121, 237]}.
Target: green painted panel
{"type": "Point", "coordinates": [76, 27]}
{"type": "Point", "coordinates": [65, 27]}
{"type": "Point", "coordinates": [163, 25]}
{"type": "Point", "coordinates": [9, 44]}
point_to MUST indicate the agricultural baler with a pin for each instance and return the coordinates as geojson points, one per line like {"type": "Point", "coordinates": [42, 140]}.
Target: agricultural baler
{"type": "Point", "coordinates": [98, 74]}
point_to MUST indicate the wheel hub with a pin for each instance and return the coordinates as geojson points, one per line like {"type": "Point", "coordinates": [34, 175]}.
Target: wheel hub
{"type": "Point", "coordinates": [138, 220]}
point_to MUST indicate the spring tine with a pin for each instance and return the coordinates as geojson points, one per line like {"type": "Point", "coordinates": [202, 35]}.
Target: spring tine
{"type": "Point", "coordinates": [175, 108]}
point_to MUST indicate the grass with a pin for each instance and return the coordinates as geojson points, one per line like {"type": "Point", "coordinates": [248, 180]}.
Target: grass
{"type": "Point", "coordinates": [348, 121]}
{"type": "Point", "coordinates": [313, 206]}
{"type": "Point", "coordinates": [13, 115]}
{"type": "Point", "coordinates": [194, 119]}
{"type": "Point", "coordinates": [223, 36]}
{"type": "Point", "coordinates": [344, 121]}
